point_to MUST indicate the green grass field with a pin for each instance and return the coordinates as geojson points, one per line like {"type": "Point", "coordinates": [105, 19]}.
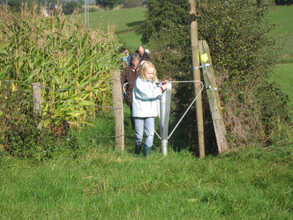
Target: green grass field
{"type": "Point", "coordinates": [123, 22]}
{"type": "Point", "coordinates": [283, 75]}
{"type": "Point", "coordinates": [283, 31]}
{"type": "Point", "coordinates": [254, 183]}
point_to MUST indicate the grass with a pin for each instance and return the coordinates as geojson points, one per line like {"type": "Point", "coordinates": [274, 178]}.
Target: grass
{"type": "Point", "coordinates": [123, 22]}
{"type": "Point", "coordinates": [101, 183]}
{"type": "Point", "coordinates": [281, 16]}
{"type": "Point", "coordinates": [283, 75]}
{"type": "Point", "coordinates": [122, 19]}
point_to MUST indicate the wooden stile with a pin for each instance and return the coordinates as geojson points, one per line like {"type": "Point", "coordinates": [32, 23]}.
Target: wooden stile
{"type": "Point", "coordinates": [213, 98]}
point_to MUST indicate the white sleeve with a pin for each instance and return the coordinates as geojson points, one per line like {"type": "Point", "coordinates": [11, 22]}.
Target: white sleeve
{"type": "Point", "coordinates": [146, 90]}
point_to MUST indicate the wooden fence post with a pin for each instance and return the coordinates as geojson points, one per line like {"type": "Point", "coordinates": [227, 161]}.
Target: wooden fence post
{"type": "Point", "coordinates": [213, 97]}
{"type": "Point", "coordinates": [37, 101]}
{"type": "Point", "coordinates": [118, 109]}
{"type": "Point", "coordinates": [196, 76]}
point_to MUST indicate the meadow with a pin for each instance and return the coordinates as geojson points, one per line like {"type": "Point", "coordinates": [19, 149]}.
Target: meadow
{"type": "Point", "coordinates": [100, 183]}
{"type": "Point", "coordinates": [94, 181]}
{"type": "Point", "coordinates": [123, 22]}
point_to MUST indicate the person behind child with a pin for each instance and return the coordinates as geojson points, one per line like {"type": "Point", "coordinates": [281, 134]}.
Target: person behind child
{"type": "Point", "coordinates": [145, 57]}
{"type": "Point", "coordinates": [126, 58]}
{"type": "Point", "coordinates": [140, 51]}
{"type": "Point", "coordinates": [146, 92]}
{"type": "Point", "coordinates": [129, 76]}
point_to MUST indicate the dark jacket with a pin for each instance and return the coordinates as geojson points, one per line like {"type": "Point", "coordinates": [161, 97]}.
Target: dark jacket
{"type": "Point", "coordinates": [129, 75]}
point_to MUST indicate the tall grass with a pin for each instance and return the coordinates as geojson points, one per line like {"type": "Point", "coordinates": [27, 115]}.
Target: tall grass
{"type": "Point", "coordinates": [72, 63]}
{"type": "Point", "coordinates": [102, 184]}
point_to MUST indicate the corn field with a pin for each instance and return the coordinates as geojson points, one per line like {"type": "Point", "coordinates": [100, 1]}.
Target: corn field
{"type": "Point", "coordinates": [72, 63]}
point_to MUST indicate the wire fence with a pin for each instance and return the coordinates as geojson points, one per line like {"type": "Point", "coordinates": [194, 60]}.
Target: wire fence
{"type": "Point", "coordinates": [106, 111]}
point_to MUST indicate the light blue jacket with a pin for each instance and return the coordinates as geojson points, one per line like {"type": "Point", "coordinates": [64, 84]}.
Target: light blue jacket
{"type": "Point", "coordinates": [146, 94]}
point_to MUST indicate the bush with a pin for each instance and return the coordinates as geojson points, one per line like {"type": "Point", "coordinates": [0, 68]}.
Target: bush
{"type": "Point", "coordinates": [243, 57]}
{"type": "Point", "coordinates": [133, 3]}
{"type": "Point", "coordinates": [19, 133]}
{"type": "Point", "coordinates": [109, 3]}
{"type": "Point", "coordinates": [69, 7]}
{"type": "Point", "coordinates": [284, 2]}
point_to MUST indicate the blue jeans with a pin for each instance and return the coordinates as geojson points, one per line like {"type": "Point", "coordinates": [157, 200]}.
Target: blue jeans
{"type": "Point", "coordinates": [147, 126]}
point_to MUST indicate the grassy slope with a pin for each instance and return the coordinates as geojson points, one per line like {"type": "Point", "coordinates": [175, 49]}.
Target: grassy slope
{"type": "Point", "coordinates": [283, 75]}
{"type": "Point", "coordinates": [282, 17]}
{"type": "Point", "coordinates": [123, 20]}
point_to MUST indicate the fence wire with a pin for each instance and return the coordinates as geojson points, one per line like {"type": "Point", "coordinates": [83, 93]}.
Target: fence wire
{"type": "Point", "coordinates": [107, 109]}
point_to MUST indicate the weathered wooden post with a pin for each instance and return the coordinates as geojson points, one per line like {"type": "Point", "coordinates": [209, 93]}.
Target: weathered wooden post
{"type": "Point", "coordinates": [37, 101]}
{"type": "Point", "coordinates": [37, 98]}
{"type": "Point", "coordinates": [118, 109]}
{"type": "Point", "coordinates": [213, 97]}
{"type": "Point", "coordinates": [196, 76]}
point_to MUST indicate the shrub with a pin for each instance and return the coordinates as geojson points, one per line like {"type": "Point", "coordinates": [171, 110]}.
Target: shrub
{"type": "Point", "coordinates": [284, 2]}
{"type": "Point", "coordinates": [19, 133]}
{"type": "Point", "coordinates": [109, 3]}
{"type": "Point", "coordinates": [133, 3]}
{"type": "Point", "coordinates": [69, 7]}
{"type": "Point", "coordinates": [243, 56]}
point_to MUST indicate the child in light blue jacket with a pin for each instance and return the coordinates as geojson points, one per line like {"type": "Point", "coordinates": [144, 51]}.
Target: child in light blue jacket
{"type": "Point", "coordinates": [146, 93]}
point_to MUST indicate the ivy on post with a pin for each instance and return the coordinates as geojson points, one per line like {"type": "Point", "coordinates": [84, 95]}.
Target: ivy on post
{"type": "Point", "coordinates": [118, 109]}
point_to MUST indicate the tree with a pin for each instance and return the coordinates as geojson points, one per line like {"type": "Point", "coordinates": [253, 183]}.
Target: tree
{"type": "Point", "coordinates": [133, 3]}
{"type": "Point", "coordinates": [284, 2]}
{"type": "Point", "coordinates": [108, 3]}
{"type": "Point", "coordinates": [69, 7]}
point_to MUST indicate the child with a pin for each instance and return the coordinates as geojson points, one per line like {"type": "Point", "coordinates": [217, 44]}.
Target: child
{"type": "Point", "coordinates": [126, 59]}
{"type": "Point", "coordinates": [129, 76]}
{"type": "Point", "coordinates": [144, 106]}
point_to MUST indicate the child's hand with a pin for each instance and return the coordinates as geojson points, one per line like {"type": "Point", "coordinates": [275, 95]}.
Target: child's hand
{"type": "Point", "coordinates": [165, 82]}
{"type": "Point", "coordinates": [164, 86]}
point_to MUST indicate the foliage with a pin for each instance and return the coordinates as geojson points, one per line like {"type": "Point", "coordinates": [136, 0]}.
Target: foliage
{"type": "Point", "coordinates": [108, 3]}
{"type": "Point", "coordinates": [132, 3]}
{"type": "Point", "coordinates": [70, 7]}
{"type": "Point", "coordinates": [16, 5]}
{"type": "Point", "coordinates": [284, 2]}
{"type": "Point", "coordinates": [19, 133]}
{"type": "Point", "coordinates": [72, 63]}
{"type": "Point", "coordinates": [243, 56]}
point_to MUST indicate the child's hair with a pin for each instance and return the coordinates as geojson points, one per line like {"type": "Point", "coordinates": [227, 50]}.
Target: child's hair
{"type": "Point", "coordinates": [146, 65]}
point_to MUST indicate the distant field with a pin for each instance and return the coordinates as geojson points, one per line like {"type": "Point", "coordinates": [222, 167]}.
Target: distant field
{"type": "Point", "coordinates": [122, 21]}
{"type": "Point", "coordinates": [283, 75]}
{"type": "Point", "coordinates": [282, 17]}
